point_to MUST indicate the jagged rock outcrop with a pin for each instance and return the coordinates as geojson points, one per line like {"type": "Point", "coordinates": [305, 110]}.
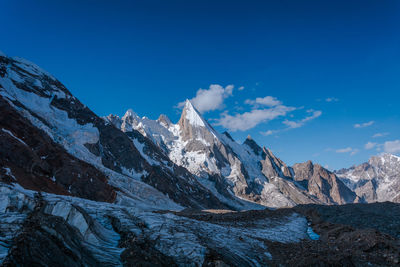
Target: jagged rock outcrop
{"type": "Point", "coordinates": [79, 190]}
{"type": "Point", "coordinates": [67, 149]}
{"type": "Point", "coordinates": [30, 158]}
{"type": "Point", "coordinates": [246, 170]}
{"type": "Point", "coordinates": [323, 184]}
{"type": "Point", "coordinates": [273, 166]}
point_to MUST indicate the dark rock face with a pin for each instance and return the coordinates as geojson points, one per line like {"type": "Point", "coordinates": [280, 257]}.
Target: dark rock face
{"type": "Point", "coordinates": [252, 144]}
{"type": "Point", "coordinates": [71, 175]}
{"type": "Point", "coordinates": [139, 249]}
{"type": "Point", "coordinates": [37, 163]}
{"type": "Point", "coordinates": [350, 235]}
{"type": "Point", "coordinates": [323, 184]}
{"type": "Point", "coordinates": [47, 240]}
{"type": "Point", "coordinates": [273, 166]}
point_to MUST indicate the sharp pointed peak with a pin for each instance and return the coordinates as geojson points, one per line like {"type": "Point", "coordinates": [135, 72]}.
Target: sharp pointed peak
{"type": "Point", "coordinates": [228, 135]}
{"type": "Point", "coordinates": [130, 113]}
{"type": "Point", "coordinates": [253, 145]}
{"type": "Point", "coordinates": [163, 119]}
{"type": "Point", "coordinates": [192, 115]}
{"type": "Point", "coordinates": [189, 106]}
{"type": "Point", "coordinates": [267, 150]}
{"type": "Point", "coordinates": [250, 141]}
{"type": "Point", "coordinates": [309, 162]}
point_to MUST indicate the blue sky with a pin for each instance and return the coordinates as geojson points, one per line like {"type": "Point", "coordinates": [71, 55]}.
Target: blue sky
{"type": "Point", "coordinates": [326, 66]}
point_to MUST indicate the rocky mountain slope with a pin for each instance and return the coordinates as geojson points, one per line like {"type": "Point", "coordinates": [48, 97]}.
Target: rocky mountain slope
{"type": "Point", "coordinates": [59, 135]}
{"type": "Point", "coordinates": [375, 180]}
{"type": "Point", "coordinates": [133, 191]}
{"type": "Point", "coordinates": [230, 169]}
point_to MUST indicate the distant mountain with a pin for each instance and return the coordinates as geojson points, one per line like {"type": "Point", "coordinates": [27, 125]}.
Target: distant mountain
{"type": "Point", "coordinates": [80, 190]}
{"type": "Point", "coordinates": [375, 180]}
{"type": "Point", "coordinates": [56, 144]}
{"type": "Point", "coordinates": [232, 170]}
{"type": "Point", "coordinates": [323, 184]}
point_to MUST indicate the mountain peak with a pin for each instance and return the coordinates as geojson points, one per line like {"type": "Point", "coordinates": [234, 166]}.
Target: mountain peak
{"type": "Point", "coordinates": [129, 113]}
{"type": "Point", "coordinates": [192, 115]}
{"type": "Point", "coordinates": [164, 120]}
{"type": "Point", "coordinates": [253, 145]}
{"type": "Point", "coordinates": [228, 135]}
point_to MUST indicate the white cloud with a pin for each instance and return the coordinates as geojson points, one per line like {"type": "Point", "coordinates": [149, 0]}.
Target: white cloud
{"type": "Point", "coordinates": [380, 135]}
{"type": "Point", "coordinates": [268, 133]}
{"type": "Point", "coordinates": [241, 88]}
{"type": "Point", "coordinates": [268, 101]}
{"type": "Point", "coordinates": [331, 99]}
{"type": "Point", "coordinates": [252, 118]}
{"type": "Point", "coordinates": [370, 145]}
{"type": "Point", "coordinates": [211, 98]}
{"type": "Point", "coordinates": [392, 146]}
{"type": "Point", "coordinates": [344, 150]}
{"type": "Point", "coordinates": [297, 124]}
{"type": "Point", "coordinates": [350, 150]}
{"type": "Point", "coordinates": [365, 124]}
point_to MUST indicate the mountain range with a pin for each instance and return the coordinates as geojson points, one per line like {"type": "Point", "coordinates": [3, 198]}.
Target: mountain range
{"type": "Point", "coordinates": [113, 191]}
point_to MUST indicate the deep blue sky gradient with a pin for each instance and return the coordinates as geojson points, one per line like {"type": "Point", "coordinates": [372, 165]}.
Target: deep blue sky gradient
{"type": "Point", "coordinates": [151, 55]}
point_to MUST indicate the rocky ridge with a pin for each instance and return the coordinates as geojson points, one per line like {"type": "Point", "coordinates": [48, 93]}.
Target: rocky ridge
{"type": "Point", "coordinates": [133, 191]}
{"type": "Point", "coordinates": [230, 169]}
{"type": "Point", "coordinates": [375, 180]}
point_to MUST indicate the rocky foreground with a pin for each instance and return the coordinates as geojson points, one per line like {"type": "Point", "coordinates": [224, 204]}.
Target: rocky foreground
{"type": "Point", "coordinates": [40, 229]}
{"type": "Point", "coordinates": [80, 190]}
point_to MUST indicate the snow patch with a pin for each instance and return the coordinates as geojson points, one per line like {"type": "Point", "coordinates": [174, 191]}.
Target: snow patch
{"type": "Point", "coordinates": [12, 135]}
{"type": "Point", "coordinates": [9, 173]}
{"type": "Point", "coordinates": [31, 67]}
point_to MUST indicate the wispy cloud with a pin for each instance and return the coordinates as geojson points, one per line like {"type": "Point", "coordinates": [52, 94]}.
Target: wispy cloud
{"type": "Point", "coordinates": [294, 124]}
{"type": "Point", "coordinates": [331, 99]}
{"type": "Point", "coordinates": [392, 146]}
{"type": "Point", "coordinates": [268, 101]}
{"type": "Point", "coordinates": [250, 119]}
{"type": "Point", "coordinates": [211, 98]}
{"type": "Point", "coordinates": [269, 132]}
{"type": "Point", "coordinates": [363, 125]}
{"type": "Point", "coordinates": [241, 88]}
{"type": "Point", "coordinates": [344, 150]}
{"type": "Point", "coordinates": [297, 124]}
{"type": "Point", "coordinates": [377, 135]}
{"type": "Point", "coordinates": [370, 145]}
{"type": "Point", "coordinates": [350, 150]}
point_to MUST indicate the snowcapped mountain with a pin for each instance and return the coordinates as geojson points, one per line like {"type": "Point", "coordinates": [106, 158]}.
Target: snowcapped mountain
{"type": "Point", "coordinates": [227, 168]}
{"type": "Point", "coordinates": [133, 191]}
{"type": "Point", "coordinates": [375, 180]}
{"type": "Point", "coordinates": [108, 196]}
{"type": "Point", "coordinates": [62, 136]}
